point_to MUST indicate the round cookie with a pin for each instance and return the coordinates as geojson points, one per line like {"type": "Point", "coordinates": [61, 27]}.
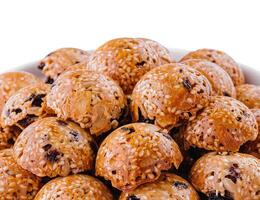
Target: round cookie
{"type": "Point", "coordinates": [221, 59]}
{"type": "Point", "coordinates": [52, 147]}
{"type": "Point", "coordinates": [224, 125]}
{"type": "Point", "coordinates": [233, 176]}
{"type": "Point", "coordinates": [249, 94]}
{"type": "Point", "coordinates": [25, 106]}
{"type": "Point", "coordinates": [142, 152]}
{"type": "Point", "coordinates": [221, 82]}
{"type": "Point", "coordinates": [253, 147]}
{"type": "Point", "coordinates": [11, 82]}
{"type": "Point", "coordinates": [91, 99]}
{"type": "Point", "coordinates": [170, 95]}
{"type": "Point", "coordinates": [74, 187]}
{"type": "Point", "coordinates": [58, 61]}
{"type": "Point", "coordinates": [163, 52]}
{"type": "Point", "coordinates": [15, 182]}
{"type": "Point", "coordinates": [125, 60]}
{"type": "Point", "coordinates": [168, 186]}
{"type": "Point", "coordinates": [7, 138]}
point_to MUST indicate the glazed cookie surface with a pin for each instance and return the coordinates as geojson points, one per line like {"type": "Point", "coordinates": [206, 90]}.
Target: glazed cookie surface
{"type": "Point", "coordinates": [170, 95]}
{"type": "Point", "coordinates": [224, 125]}
{"type": "Point", "coordinates": [125, 60]}
{"type": "Point", "coordinates": [25, 106]}
{"type": "Point", "coordinates": [221, 59]}
{"type": "Point", "coordinates": [249, 94]}
{"type": "Point", "coordinates": [74, 187]}
{"type": "Point", "coordinates": [58, 61]}
{"type": "Point", "coordinates": [11, 82]}
{"type": "Point", "coordinates": [91, 99]}
{"type": "Point", "coordinates": [168, 186]}
{"type": "Point", "coordinates": [52, 147]}
{"type": "Point", "coordinates": [15, 182]}
{"type": "Point", "coordinates": [234, 176]}
{"type": "Point", "coordinates": [142, 151]}
{"type": "Point", "coordinates": [221, 82]}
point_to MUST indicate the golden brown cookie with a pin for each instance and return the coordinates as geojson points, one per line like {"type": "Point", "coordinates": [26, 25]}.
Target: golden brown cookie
{"type": "Point", "coordinates": [25, 106]}
{"type": "Point", "coordinates": [233, 176]}
{"type": "Point", "coordinates": [58, 61]}
{"type": "Point", "coordinates": [249, 94]}
{"type": "Point", "coordinates": [170, 95]}
{"type": "Point", "coordinates": [76, 187]}
{"type": "Point", "coordinates": [224, 125]}
{"type": "Point", "coordinates": [220, 80]}
{"type": "Point", "coordinates": [15, 182]}
{"type": "Point", "coordinates": [11, 82]}
{"type": "Point", "coordinates": [168, 186]}
{"type": "Point", "coordinates": [221, 59]}
{"type": "Point", "coordinates": [135, 154]}
{"type": "Point", "coordinates": [91, 99]}
{"type": "Point", "coordinates": [125, 60]}
{"type": "Point", "coordinates": [52, 147]}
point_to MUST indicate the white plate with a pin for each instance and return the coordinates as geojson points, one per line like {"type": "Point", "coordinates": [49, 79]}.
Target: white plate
{"type": "Point", "coordinates": [252, 75]}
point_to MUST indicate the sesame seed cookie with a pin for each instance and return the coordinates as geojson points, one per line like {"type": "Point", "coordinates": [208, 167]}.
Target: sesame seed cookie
{"type": "Point", "coordinates": [52, 147]}
{"type": "Point", "coordinates": [224, 125]}
{"type": "Point", "coordinates": [142, 152]}
{"type": "Point", "coordinates": [170, 95]}
{"type": "Point", "coordinates": [164, 53]}
{"type": "Point", "coordinates": [125, 60]}
{"type": "Point", "coordinates": [253, 147]}
{"type": "Point", "coordinates": [168, 186]}
{"type": "Point", "coordinates": [11, 82]}
{"type": "Point", "coordinates": [76, 187]}
{"type": "Point", "coordinates": [220, 80]}
{"type": "Point", "coordinates": [25, 106]}
{"type": "Point", "coordinates": [91, 99]}
{"type": "Point", "coordinates": [58, 61]}
{"type": "Point", "coordinates": [221, 59]}
{"type": "Point", "coordinates": [249, 94]}
{"type": "Point", "coordinates": [15, 182]}
{"type": "Point", "coordinates": [7, 138]}
{"type": "Point", "coordinates": [230, 176]}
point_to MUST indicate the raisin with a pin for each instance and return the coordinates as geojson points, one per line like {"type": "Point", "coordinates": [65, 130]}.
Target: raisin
{"type": "Point", "coordinates": [179, 185]}
{"type": "Point", "coordinates": [187, 84]}
{"type": "Point", "coordinates": [128, 129]}
{"type": "Point", "coordinates": [233, 173]}
{"type": "Point", "coordinates": [17, 110]}
{"type": "Point", "coordinates": [37, 101]}
{"type": "Point", "coordinates": [47, 147]}
{"type": "Point", "coordinates": [49, 80]}
{"type": "Point", "coordinates": [52, 156]}
{"type": "Point", "coordinates": [41, 65]}
{"type": "Point", "coordinates": [61, 122]}
{"type": "Point", "coordinates": [27, 120]}
{"type": "Point", "coordinates": [133, 197]}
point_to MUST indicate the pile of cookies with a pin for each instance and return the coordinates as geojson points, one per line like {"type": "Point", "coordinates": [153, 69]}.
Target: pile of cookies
{"type": "Point", "coordinates": [128, 122]}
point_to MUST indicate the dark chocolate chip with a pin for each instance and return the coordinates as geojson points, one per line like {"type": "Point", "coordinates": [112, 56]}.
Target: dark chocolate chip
{"type": "Point", "coordinates": [214, 196]}
{"type": "Point", "coordinates": [61, 122]}
{"type": "Point", "coordinates": [187, 84]}
{"type": "Point", "coordinates": [133, 197]}
{"type": "Point", "coordinates": [10, 141]}
{"type": "Point", "coordinates": [140, 64]}
{"type": "Point", "coordinates": [233, 173]}
{"type": "Point", "coordinates": [52, 156]}
{"type": "Point", "coordinates": [75, 135]}
{"type": "Point", "coordinates": [47, 147]}
{"type": "Point", "coordinates": [128, 129]}
{"type": "Point", "coordinates": [41, 65]}
{"type": "Point", "coordinates": [49, 80]}
{"type": "Point", "coordinates": [238, 118]}
{"type": "Point", "coordinates": [27, 120]}
{"type": "Point", "coordinates": [77, 62]}
{"type": "Point", "coordinates": [16, 110]}
{"type": "Point", "coordinates": [32, 96]}
{"type": "Point", "coordinates": [179, 185]}
{"type": "Point", "coordinates": [200, 91]}
{"type": "Point", "coordinates": [114, 172]}
{"type": "Point", "coordinates": [226, 94]}
{"type": "Point", "coordinates": [37, 101]}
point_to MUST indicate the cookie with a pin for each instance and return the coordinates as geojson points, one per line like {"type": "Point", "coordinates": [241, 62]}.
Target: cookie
{"type": "Point", "coordinates": [74, 187]}
{"type": "Point", "coordinates": [15, 182]}
{"type": "Point", "coordinates": [170, 95]}
{"type": "Point", "coordinates": [253, 147]}
{"type": "Point", "coordinates": [91, 99]}
{"type": "Point", "coordinates": [58, 61]}
{"type": "Point", "coordinates": [53, 147]}
{"type": "Point", "coordinates": [25, 106]}
{"type": "Point", "coordinates": [220, 81]}
{"type": "Point", "coordinates": [227, 176]}
{"type": "Point", "coordinates": [135, 154]}
{"type": "Point", "coordinates": [249, 94]}
{"type": "Point", "coordinates": [168, 186]}
{"type": "Point", "coordinates": [125, 60]}
{"type": "Point", "coordinates": [11, 82]}
{"type": "Point", "coordinates": [224, 125]}
{"type": "Point", "coordinates": [221, 59]}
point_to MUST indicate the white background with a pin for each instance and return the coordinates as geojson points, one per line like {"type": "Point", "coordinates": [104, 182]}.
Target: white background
{"type": "Point", "coordinates": [30, 29]}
